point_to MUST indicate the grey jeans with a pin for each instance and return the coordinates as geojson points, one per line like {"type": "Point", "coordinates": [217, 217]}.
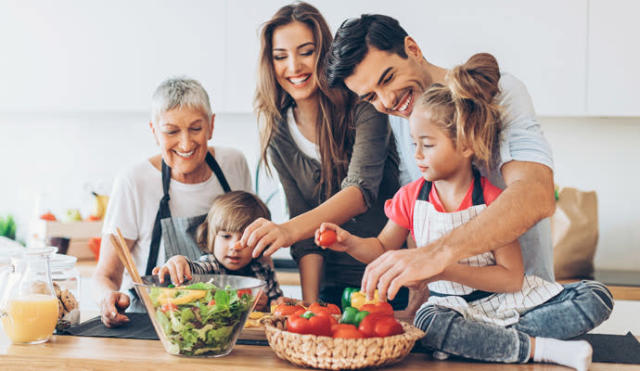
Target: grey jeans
{"type": "Point", "coordinates": [580, 307]}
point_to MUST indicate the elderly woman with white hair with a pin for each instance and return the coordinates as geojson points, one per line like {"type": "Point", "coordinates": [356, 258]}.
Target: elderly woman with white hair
{"type": "Point", "coordinates": [158, 202]}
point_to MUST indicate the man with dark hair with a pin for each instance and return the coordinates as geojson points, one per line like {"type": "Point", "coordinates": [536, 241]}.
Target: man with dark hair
{"type": "Point", "coordinates": [376, 59]}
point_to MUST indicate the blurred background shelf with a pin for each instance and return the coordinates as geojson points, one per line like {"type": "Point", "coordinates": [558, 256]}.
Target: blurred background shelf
{"type": "Point", "coordinates": [78, 235]}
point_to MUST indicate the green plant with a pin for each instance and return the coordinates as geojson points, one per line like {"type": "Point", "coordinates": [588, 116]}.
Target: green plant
{"type": "Point", "coordinates": [8, 227]}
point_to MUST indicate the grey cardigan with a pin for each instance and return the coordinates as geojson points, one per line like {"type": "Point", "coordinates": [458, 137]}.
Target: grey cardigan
{"type": "Point", "coordinates": [373, 167]}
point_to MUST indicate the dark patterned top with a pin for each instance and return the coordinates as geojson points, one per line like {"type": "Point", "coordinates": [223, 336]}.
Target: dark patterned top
{"type": "Point", "coordinates": [208, 264]}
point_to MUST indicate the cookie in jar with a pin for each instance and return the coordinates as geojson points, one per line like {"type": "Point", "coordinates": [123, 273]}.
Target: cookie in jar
{"type": "Point", "coordinates": [66, 283]}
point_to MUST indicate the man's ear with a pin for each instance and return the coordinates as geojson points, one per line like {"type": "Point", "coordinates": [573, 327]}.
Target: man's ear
{"type": "Point", "coordinates": [153, 131]}
{"type": "Point", "coordinates": [411, 48]}
{"type": "Point", "coordinates": [211, 125]}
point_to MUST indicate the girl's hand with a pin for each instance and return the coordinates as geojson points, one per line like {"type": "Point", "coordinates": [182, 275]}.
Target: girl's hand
{"type": "Point", "coordinates": [324, 237]}
{"type": "Point", "coordinates": [177, 267]}
{"type": "Point", "coordinates": [263, 233]}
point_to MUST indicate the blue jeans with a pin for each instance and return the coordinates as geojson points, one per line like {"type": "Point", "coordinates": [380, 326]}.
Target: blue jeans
{"type": "Point", "coordinates": [580, 307]}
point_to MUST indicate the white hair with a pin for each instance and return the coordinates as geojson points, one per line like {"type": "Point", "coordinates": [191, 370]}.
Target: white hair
{"type": "Point", "coordinates": [179, 92]}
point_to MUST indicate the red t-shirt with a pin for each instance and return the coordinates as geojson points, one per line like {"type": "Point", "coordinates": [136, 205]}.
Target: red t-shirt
{"type": "Point", "coordinates": [400, 208]}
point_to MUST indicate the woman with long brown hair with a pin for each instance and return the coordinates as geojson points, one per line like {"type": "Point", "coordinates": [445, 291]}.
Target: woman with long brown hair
{"type": "Point", "coordinates": [335, 157]}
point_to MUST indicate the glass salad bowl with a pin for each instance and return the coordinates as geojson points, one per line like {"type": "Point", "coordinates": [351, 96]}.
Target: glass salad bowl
{"type": "Point", "coordinates": [204, 316]}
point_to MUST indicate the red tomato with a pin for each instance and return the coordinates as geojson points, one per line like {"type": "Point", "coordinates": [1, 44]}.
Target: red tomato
{"type": "Point", "coordinates": [288, 308]}
{"type": "Point", "coordinates": [93, 218]}
{"type": "Point", "coordinates": [212, 302]}
{"type": "Point", "coordinates": [382, 308]}
{"type": "Point", "coordinates": [243, 292]}
{"type": "Point", "coordinates": [298, 325]}
{"type": "Point", "coordinates": [325, 307]}
{"type": "Point", "coordinates": [347, 331]}
{"type": "Point", "coordinates": [168, 307]}
{"type": "Point", "coordinates": [320, 325]}
{"type": "Point", "coordinates": [316, 325]}
{"type": "Point", "coordinates": [327, 237]}
{"type": "Point", "coordinates": [388, 326]}
{"type": "Point", "coordinates": [332, 319]}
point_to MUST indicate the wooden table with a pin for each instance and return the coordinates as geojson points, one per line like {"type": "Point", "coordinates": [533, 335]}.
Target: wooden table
{"type": "Point", "coordinates": [83, 353]}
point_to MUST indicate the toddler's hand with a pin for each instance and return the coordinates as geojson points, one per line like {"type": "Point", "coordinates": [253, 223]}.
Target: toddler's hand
{"type": "Point", "coordinates": [177, 267]}
{"type": "Point", "coordinates": [330, 236]}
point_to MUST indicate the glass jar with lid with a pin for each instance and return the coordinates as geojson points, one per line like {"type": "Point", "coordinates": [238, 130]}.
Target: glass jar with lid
{"type": "Point", "coordinates": [66, 283]}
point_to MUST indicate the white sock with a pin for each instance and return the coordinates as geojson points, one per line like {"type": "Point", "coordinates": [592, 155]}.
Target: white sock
{"type": "Point", "coordinates": [576, 354]}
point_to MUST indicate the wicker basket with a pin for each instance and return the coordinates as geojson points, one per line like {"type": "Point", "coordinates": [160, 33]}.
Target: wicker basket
{"type": "Point", "coordinates": [337, 354]}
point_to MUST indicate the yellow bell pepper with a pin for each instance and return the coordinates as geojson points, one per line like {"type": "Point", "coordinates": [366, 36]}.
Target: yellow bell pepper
{"type": "Point", "coordinates": [167, 296]}
{"type": "Point", "coordinates": [358, 299]}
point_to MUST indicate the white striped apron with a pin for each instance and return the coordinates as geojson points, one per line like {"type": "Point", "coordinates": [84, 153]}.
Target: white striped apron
{"type": "Point", "coordinates": [502, 309]}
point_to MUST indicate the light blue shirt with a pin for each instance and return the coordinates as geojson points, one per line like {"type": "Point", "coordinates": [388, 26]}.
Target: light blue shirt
{"type": "Point", "coordinates": [521, 139]}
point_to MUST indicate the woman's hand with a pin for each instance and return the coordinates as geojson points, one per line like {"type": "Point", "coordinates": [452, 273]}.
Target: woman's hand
{"type": "Point", "coordinates": [331, 236]}
{"type": "Point", "coordinates": [112, 309]}
{"type": "Point", "coordinates": [177, 267]}
{"type": "Point", "coordinates": [263, 233]}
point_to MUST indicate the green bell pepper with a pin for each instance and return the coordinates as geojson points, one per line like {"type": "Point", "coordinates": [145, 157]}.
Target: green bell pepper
{"type": "Point", "coordinates": [346, 296]}
{"type": "Point", "coordinates": [352, 316]}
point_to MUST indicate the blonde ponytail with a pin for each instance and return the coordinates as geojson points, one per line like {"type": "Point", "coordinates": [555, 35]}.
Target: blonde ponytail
{"type": "Point", "coordinates": [474, 86]}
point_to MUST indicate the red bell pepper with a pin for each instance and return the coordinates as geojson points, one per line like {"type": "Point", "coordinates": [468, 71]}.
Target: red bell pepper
{"type": "Point", "coordinates": [381, 308]}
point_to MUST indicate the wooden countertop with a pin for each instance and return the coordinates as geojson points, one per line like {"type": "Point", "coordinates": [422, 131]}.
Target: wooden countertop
{"type": "Point", "coordinates": [83, 353]}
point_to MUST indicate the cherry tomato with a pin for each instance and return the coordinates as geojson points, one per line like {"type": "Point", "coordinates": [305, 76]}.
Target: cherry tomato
{"type": "Point", "coordinates": [346, 331]}
{"type": "Point", "coordinates": [212, 302]}
{"type": "Point", "coordinates": [327, 237]}
{"type": "Point", "coordinates": [325, 307]}
{"type": "Point", "coordinates": [168, 307]}
{"type": "Point", "coordinates": [244, 292]}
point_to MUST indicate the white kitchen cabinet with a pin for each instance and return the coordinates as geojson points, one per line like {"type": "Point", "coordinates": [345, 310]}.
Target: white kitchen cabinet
{"type": "Point", "coordinates": [73, 55]}
{"type": "Point", "coordinates": [614, 57]}
{"type": "Point", "coordinates": [543, 42]}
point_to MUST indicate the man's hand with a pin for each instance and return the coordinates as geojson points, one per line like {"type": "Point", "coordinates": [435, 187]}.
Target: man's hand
{"type": "Point", "coordinates": [112, 309]}
{"type": "Point", "coordinates": [407, 267]}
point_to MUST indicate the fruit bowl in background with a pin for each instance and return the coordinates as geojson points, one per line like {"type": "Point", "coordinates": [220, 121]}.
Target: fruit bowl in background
{"type": "Point", "coordinates": [94, 246]}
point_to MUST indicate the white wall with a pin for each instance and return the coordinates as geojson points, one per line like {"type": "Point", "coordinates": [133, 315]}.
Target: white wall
{"type": "Point", "coordinates": [77, 77]}
{"type": "Point", "coordinates": [58, 154]}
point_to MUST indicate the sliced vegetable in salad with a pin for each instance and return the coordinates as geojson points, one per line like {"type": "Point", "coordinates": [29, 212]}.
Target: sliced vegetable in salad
{"type": "Point", "coordinates": [201, 319]}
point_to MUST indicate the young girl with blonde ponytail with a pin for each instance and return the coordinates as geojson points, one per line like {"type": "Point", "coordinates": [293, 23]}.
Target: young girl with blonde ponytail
{"type": "Point", "coordinates": [484, 307]}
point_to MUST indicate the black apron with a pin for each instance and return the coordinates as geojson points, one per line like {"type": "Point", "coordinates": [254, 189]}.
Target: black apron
{"type": "Point", "coordinates": [178, 232]}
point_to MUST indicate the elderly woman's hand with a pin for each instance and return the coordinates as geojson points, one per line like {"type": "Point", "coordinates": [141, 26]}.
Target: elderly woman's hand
{"type": "Point", "coordinates": [112, 309]}
{"type": "Point", "coordinates": [264, 234]}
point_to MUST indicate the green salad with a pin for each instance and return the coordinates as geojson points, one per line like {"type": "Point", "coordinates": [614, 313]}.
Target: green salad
{"type": "Point", "coordinates": [201, 319]}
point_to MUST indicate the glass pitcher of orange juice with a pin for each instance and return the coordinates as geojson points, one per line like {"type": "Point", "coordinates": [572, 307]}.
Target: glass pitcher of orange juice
{"type": "Point", "coordinates": [29, 306]}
